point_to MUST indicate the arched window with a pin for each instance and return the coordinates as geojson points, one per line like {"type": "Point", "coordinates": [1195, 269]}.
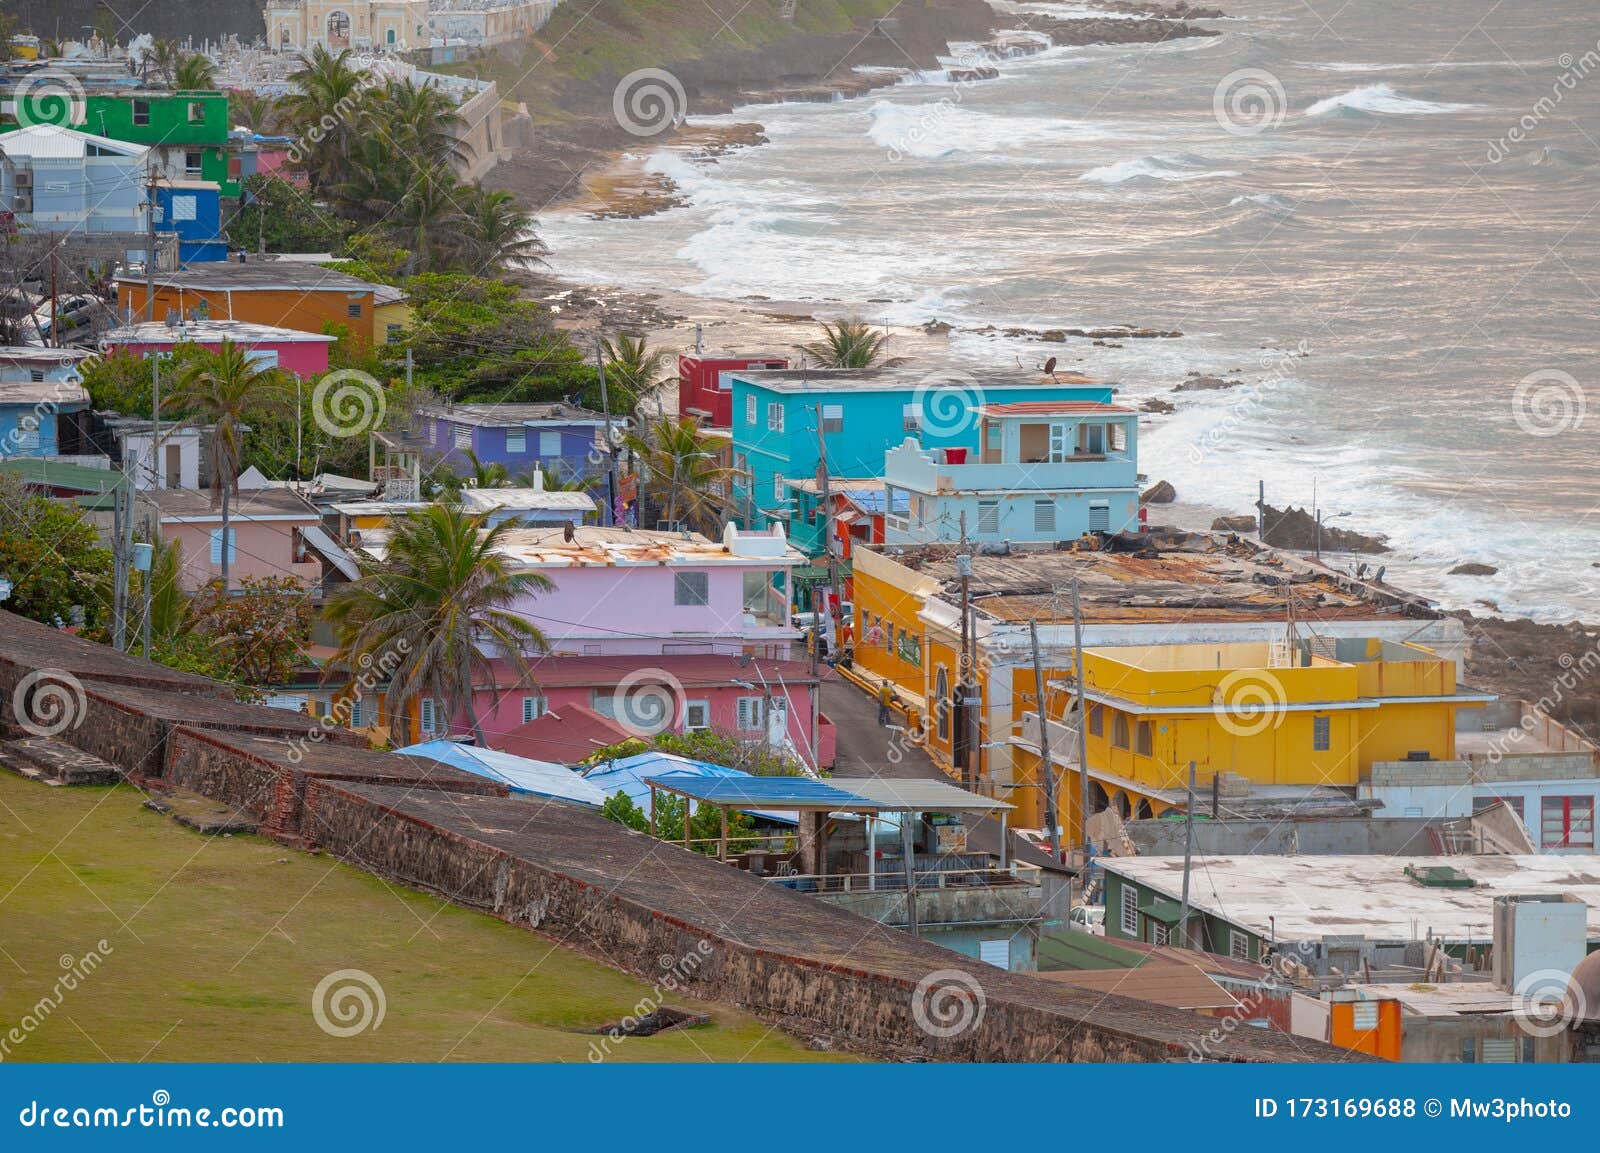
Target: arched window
{"type": "Point", "coordinates": [941, 705]}
{"type": "Point", "coordinates": [1097, 720]}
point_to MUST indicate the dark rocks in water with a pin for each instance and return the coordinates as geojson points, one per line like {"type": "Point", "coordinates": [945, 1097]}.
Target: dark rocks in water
{"type": "Point", "coordinates": [1473, 568]}
{"type": "Point", "coordinates": [938, 328]}
{"type": "Point", "coordinates": [1156, 404]}
{"type": "Point", "coordinates": [1199, 382]}
{"type": "Point", "coordinates": [1112, 30]}
{"type": "Point", "coordinates": [1295, 528]}
{"type": "Point", "coordinates": [967, 75]}
{"type": "Point", "coordinates": [1054, 336]}
{"type": "Point", "coordinates": [1234, 524]}
{"type": "Point", "coordinates": [1161, 492]}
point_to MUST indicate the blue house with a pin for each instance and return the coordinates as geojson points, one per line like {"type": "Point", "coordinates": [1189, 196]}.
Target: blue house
{"type": "Point", "coordinates": [783, 419]}
{"type": "Point", "coordinates": [193, 209]}
{"type": "Point", "coordinates": [561, 439]}
{"type": "Point", "coordinates": [1033, 472]}
{"type": "Point", "coordinates": [41, 393]}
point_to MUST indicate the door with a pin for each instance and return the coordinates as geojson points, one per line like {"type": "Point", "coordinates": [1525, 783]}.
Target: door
{"type": "Point", "coordinates": [173, 473]}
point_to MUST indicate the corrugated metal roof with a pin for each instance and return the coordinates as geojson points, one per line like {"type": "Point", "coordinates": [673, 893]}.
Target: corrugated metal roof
{"type": "Point", "coordinates": [628, 775]}
{"type": "Point", "coordinates": [918, 795]}
{"type": "Point", "coordinates": [50, 142]}
{"type": "Point", "coordinates": [777, 792]}
{"type": "Point", "coordinates": [329, 548]}
{"type": "Point", "coordinates": [513, 499]}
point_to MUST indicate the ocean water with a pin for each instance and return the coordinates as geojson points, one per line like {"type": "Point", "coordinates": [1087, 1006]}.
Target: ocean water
{"type": "Point", "coordinates": [1383, 218]}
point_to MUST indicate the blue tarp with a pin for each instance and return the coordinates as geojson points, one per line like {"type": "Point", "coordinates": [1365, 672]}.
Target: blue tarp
{"type": "Point", "coordinates": [519, 774]}
{"type": "Point", "coordinates": [779, 792]}
{"type": "Point", "coordinates": [627, 774]}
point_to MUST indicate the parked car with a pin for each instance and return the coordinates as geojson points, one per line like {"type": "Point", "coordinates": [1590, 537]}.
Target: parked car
{"type": "Point", "coordinates": [1088, 919]}
{"type": "Point", "coordinates": [807, 620]}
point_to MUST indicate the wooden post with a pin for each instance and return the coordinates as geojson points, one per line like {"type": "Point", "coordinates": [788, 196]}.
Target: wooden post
{"type": "Point", "coordinates": [722, 850]}
{"type": "Point", "coordinates": [652, 810]}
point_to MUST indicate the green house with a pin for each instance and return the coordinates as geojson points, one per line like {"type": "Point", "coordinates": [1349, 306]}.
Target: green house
{"type": "Point", "coordinates": [1140, 913]}
{"type": "Point", "coordinates": [189, 129]}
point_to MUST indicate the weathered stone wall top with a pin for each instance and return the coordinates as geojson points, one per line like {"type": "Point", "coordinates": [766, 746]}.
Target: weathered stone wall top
{"type": "Point", "coordinates": [27, 646]}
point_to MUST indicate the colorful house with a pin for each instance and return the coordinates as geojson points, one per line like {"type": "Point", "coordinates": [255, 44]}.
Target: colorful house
{"type": "Point", "coordinates": [785, 420]}
{"type": "Point", "coordinates": [68, 182]}
{"type": "Point", "coordinates": [1289, 715]}
{"type": "Point", "coordinates": [271, 533]}
{"type": "Point", "coordinates": [704, 392]}
{"type": "Point", "coordinates": [193, 210]}
{"type": "Point", "coordinates": [304, 354]}
{"type": "Point", "coordinates": [861, 508]}
{"type": "Point", "coordinates": [280, 293]}
{"type": "Point", "coordinates": [561, 440]}
{"type": "Point", "coordinates": [39, 417]}
{"type": "Point", "coordinates": [1036, 471]}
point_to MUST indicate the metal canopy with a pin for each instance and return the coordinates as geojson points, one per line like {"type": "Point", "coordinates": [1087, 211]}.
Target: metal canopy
{"type": "Point", "coordinates": [894, 794]}
{"type": "Point", "coordinates": [798, 793]}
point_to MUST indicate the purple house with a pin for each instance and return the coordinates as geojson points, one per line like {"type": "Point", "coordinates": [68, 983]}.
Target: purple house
{"type": "Point", "coordinates": [562, 439]}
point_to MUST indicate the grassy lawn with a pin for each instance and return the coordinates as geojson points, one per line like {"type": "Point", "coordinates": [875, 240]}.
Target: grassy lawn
{"type": "Point", "coordinates": [216, 946]}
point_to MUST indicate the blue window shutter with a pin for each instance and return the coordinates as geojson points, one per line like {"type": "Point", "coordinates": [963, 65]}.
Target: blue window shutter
{"type": "Point", "coordinates": [216, 545]}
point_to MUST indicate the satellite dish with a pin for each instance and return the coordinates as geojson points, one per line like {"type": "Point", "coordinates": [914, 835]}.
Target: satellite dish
{"type": "Point", "coordinates": [1050, 366]}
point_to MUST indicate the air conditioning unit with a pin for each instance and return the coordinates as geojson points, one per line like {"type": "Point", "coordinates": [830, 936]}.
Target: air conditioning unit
{"type": "Point", "coordinates": [24, 179]}
{"type": "Point", "coordinates": [22, 202]}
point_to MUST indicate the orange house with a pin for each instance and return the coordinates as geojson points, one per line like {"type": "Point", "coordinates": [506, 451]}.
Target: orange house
{"type": "Point", "coordinates": [286, 293]}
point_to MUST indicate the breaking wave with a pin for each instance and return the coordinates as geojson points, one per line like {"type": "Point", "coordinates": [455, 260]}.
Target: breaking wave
{"type": "Point", "coordinates": [1185, 166]}
{"type": "Point", "coordinates": [1381, 100]}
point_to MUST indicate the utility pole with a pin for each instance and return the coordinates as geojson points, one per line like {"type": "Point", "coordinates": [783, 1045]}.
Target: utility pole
{"type": "Point", "coordinates": [961, 746]}
{"type": "Point", "coordinates": [55, 318]}
{"type": "Point", "coordinates": [1083, 724]}
{"type": "Point", "coordinates": [1261, 511]}
{"type": "Point", "coordinates": [1050, 815]}
{"type": "Point", "coordinates": [119, 563]}
{"type": "Point", "coordinates": [150, 248]}
{"type": "Point", "coordinates": [826, 496]}
{"type": "Point", "coordinates": [1188, 858]}
{"type": "Point", "coordinates": [611, 448]}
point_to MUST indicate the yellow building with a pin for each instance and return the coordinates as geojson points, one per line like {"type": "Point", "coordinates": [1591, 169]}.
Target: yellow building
{"type": "Point", "coordinates": [1270, 717]}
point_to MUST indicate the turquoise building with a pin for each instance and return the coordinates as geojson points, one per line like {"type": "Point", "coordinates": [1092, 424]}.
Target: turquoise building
{"type": "Point", "coordinates": [784, 420]}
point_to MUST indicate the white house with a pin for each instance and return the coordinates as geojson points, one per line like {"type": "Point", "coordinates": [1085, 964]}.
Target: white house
{"type": "Point", "coordinates": [61, 180]}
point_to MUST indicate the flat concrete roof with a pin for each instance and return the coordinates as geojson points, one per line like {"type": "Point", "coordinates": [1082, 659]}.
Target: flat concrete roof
{"type": "Point", "coordinates": [1313, 897]}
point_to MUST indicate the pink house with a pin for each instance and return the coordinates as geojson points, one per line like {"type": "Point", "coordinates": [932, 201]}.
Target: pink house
{"type": "Point", "coordinates": [305, 354]}
{"type": "Point", "coordinates": [661, 630]}
{"type": "Point", "coordinates": [272, 532]}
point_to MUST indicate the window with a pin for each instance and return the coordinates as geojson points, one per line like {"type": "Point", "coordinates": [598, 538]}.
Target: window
{"type": "Point", "coordinates": [36, 375]}
{"type": "Point", "coordinates": [391, 333]}
{"type": "Point", "coordinates": [1044, 516]}
{"type": "Point", "coordinates": [262, 357]}
{"type": "Point", "coordinates": [1099, 516]}
{"type": "Point", "coordinates": [549, 444]}
{"type": "Point", "coordinates": [750, 409]}
{"type": "Point", "coordinates": [832, 418]}
{"type": "Point", "coordinates": [741, 462]}
{"type": "Point", "coordinates": [1238, 945]}
{"type": "Point", "coordinates": [141, 112]}
{"type": "Point", "coordinates": [358, 713]}
{"type": "Point", "coordinates": [191, 168]}
{"type": "Point", "coordinates": [216, 545]}
{"type": "Point", "coordinates": [1567, 823]}
{"type": "Point", "coordinates": [1143, 741]}
{"type": "Point", "coordinates": [1364, 1016]}
{"type": "Point", "coordinates": [1469, 1051]}
{"type": "Point", "coordinates": [752, 714]}
{"type": "Point", "coordinates": [780, 489]}
{"type": "Point", "coordinates": [775, 416]}
{"type": "Point", "coordinates": [757, 592]}
{"type": "Point", "coordinates": [533, 708]}
{"type": "Point", "coordinates": [1130, 910]}
{"type": "Point", "coordinates": [1160, 934]}
{"type": "Point", "coordinates": [1097, 720]}
{"type": "Point", "coordinates": [996, 953]}
{"type": "Point", "coordinates": [463, 436]}
{"type": "Point", "coordinates": [696, 716]}
{"type": "Point", "coordinates": [1119, 730]}
{"type": "Point", "coordinates": [941, 703]}
{"type": "Point", "coordinates": [516, 440]}
{"type": "Point", "coordinates": [186, 207]}
{"type": "Point", "coordinates": [427, 715]}
{"type": "Point", "coordinates": [691, 588]}
{"type": "Point", "coordinates": [604, 702]}
{"type": "Point", "coordinates": [353, 309]}
{"type": "Point", "coordinates": [197, 112]}
{"type": "Point", "coordinates": [988, 516]}
{"type": "Point", "coordinates": [1321, 736]}
{"type": "Point", "coordinates": [909, 649]}
{"type": "Point", "coordinates": [28, 433]}
{"type": "Point", "coordinates": [911, 418]}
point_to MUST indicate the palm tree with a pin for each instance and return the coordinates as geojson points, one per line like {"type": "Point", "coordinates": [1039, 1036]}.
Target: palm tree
{"type": "Point", "coordinates": [634, 369]}
{"type": "Point", "coordinates": [420, 123]}
{"type": "Point", "coordinates": [441, 604]}
{"type": "Point", "coordinates": [170, 607]}
{"type": "Point", "coordinates": [685, 475]}
{"type": "Point", "coordinates": [498, 233]}
{"type": "Point", "coordinates": [218, 388]}
{"type": "Point", "coordinates": [327, 92]}
{"type": "Point", "coordinates": [427, 217]}
{"type": "Point", "coordinates": [196, 72]}
{"type": "Point", "coordinates": [847, 344]}
{"type": "Point", "coordinates": [252, 109]}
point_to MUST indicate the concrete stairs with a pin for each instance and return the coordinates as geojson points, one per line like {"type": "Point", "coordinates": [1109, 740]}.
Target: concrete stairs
{"type": "Point", "coordinates": [54, 762]}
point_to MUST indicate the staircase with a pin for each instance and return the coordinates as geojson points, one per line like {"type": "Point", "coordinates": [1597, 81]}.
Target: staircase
{"type": "Point", "coordinates": [54, 762]}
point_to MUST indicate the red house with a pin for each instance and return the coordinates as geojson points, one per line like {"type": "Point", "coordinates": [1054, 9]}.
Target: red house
{"type": "Point", "coordinates": [700, 390]}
